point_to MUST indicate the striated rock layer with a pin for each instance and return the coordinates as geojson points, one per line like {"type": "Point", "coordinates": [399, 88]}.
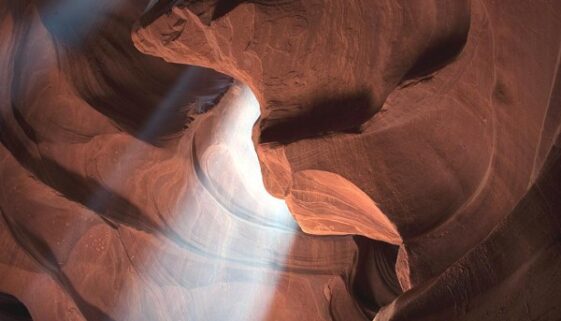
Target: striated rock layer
{"type": "Point", "coordinates": [418, 140]}
{"type": "Point", "coordinates": [424, 124]}
{"type": "Point", "coordinates": [121, 196]}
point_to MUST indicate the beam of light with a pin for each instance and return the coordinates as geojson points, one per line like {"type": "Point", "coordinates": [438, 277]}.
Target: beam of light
{"type": "Point", "coordinates": [237, 136]}
{"type": "Point", "coordinates": [233, 274]}
{"type": "Point", "coordinates": [162, 112]}
{"type": "Point", "coordinates": [101, 197]}
{"type": "Point", "coordinates": [167, 107]}
{"type": "Point", "coordinates": [241, 282]}
{"type": "Point", "coordinates": [73, 20]}
{"type": "Point", "coordinates": [232, 153]}
{"type": "Point", "coordinates": [236, 276]}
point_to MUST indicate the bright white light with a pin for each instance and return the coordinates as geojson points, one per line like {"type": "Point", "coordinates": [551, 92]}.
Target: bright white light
{"type": "Point", "coordinates": [237, 235]}
{"type": "Point", "coordinates": [228, 239]}
{"type": "Point", "coordinates": [235, 133]}
{"type": "Point", "coordinates": [261, 237]}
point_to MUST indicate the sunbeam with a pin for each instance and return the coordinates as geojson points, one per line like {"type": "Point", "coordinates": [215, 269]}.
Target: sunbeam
{"type": "Point", "coordinates": [132, 186]}
{"type": "Point", "coordinates": [73, 20]}
{"type": "Point", "coordinates": [237, 259]}
{"type": "Point", "coordinates": [234, 184]}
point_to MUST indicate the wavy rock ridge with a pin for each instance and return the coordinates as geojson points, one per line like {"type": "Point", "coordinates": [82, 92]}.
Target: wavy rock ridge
{"type": "Point", "coordinates": [418, 139]}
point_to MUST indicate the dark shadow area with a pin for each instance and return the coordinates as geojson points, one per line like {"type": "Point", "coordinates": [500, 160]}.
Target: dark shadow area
{"type": "Point", "coordinates": [323, 117]}
{"type": "Point", "coordinates": [225, 6]}
{"type": "Point", "coordinates": [12, 309]}
{"type": "Point", "coordinates": [437, 56]}
{"type": "Point", "coordinates": [375, 283]}
{"type": "Point", "coordinates": [155, 9]}
{"type": "Point", "coordinates": [206, 10]}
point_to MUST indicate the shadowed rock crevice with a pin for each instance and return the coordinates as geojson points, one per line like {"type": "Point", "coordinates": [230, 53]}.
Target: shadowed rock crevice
{"type": "Point", "coordinates": [12, 309]}
{"type": "Point", "coordinates": [375, 282]}
{"type": "Point", "coordinates": [323, 117]}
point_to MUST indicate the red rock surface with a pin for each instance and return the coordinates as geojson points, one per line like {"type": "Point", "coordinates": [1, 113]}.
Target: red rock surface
{"type": "Point", "coordinates": [419, 139]}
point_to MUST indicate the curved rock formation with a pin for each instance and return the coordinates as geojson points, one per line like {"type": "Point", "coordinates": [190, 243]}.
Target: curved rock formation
{"type": "Point", "coordinates": [120, 196]}
{"type": "Point", "coordinates": [417, 123]}
{"type": "Point", "coordinates": [419, 139]}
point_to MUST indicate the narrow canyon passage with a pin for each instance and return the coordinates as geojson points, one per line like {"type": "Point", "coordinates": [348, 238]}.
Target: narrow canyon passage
{"type": "Point", "coordinates": [134, 189]}
{"type": "Point", "coordinates": [280, 160]}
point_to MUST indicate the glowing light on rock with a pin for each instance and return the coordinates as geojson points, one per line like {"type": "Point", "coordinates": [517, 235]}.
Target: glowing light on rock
{"type": "Point", "coordinates": [256, 229]}
{"type": "Point", "coordinates": [232, 266]}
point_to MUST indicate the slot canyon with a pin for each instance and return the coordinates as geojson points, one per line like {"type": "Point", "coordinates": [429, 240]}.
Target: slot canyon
{"type": "Point", "coordinates": [280, 160]}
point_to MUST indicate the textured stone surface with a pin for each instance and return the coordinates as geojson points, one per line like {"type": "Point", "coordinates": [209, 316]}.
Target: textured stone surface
{"type": "Point", "coordinates": [434, 117]}
{"type": "Point", "coordinates": [384, 103]}
{"type": "Point", "coordinates": [419, 138]}
{"type": "Point", "coordinates": [117, 189]}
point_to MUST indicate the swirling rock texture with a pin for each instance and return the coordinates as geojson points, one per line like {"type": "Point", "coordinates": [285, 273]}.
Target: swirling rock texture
{"type": "Point", "coordinates": [415, 143]}
{"type": "Point", "coordinates": [117, 186]}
